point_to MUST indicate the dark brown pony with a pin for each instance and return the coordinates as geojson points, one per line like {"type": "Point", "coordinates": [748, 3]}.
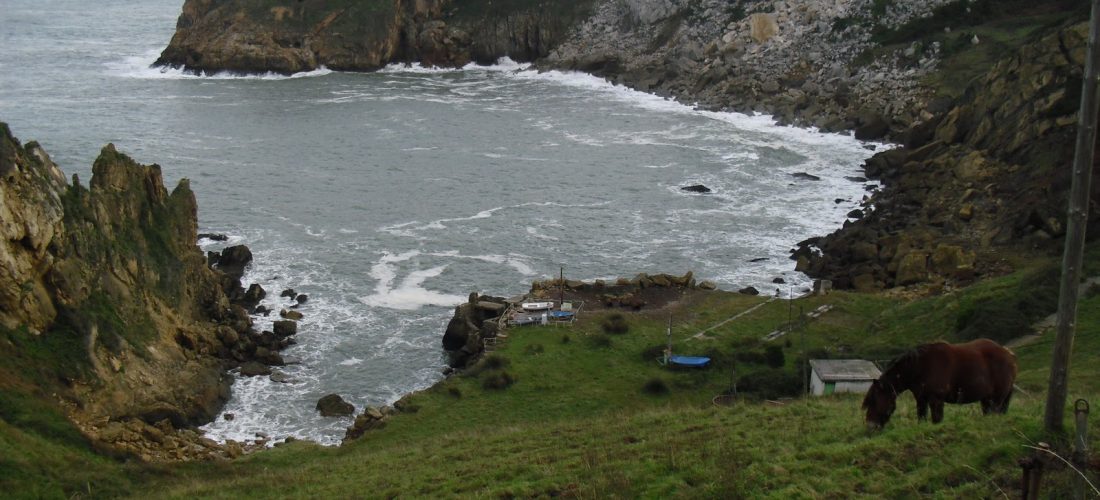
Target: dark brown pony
{"type": "Point", "coordinates": [938, 373]}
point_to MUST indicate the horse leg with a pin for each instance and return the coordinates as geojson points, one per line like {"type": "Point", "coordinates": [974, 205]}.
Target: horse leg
{"type": "Point", "coordinates": [937, 411]}
{"type": "Point", "coordinates": [922, 408]}
{"type": "Point", "coordinates": [988, 406]}
{"type": "Point", "coordinates": [1003, 407]}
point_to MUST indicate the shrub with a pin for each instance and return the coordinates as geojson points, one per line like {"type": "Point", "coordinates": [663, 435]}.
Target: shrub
{"type": "Point", "coordinates": [771, 384]}
{"type": "Point", "coordinates": [1010, 313]}
{"type": "Point", "coordinates": [490, 362]}
{"type": "Point", "coordinates": [599, 341]}
{"type": "Point", "coordinates": [655, 386]}
{"type": "Point", "coordinates": [773, 355]}
{"type": "Point", "coordinates": [565, 339]}
{"type": "Point", "coordinates": [496, 362]}
{"type": "Point", "coordinates": [615, 324]}
{"type": "Point", "coordinates": [652, 353]}
{"type": "Point", "coordinates": [751, 357]}
{"type": "Point", "coordinates": [497, 380]}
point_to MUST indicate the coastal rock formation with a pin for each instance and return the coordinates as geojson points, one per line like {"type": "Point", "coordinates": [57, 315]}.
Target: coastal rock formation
{"type": "Point", "coordinates": [106, 299]}
{"type": "Point", "coordinates": [990, 173]}
{"type": "Point", "coordinates": [289, 37]}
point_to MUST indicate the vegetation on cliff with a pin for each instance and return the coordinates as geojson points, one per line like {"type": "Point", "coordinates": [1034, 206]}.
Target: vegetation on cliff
{"type": "Point", "coordinates": [107, 304]}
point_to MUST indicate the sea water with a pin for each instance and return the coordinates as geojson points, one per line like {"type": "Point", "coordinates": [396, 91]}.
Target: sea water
{"type": "Point", "coordinates": [387, 197]}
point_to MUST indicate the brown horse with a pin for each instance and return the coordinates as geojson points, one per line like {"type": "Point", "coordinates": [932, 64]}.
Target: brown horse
{"type": "Point", "coordinates": [938, 373]}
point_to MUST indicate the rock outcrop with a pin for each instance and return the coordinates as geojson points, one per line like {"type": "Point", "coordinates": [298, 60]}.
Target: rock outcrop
{"type": "Point", "coordinates": [107, 300]}
{"type": "Point", "coordinates": [989, 174]}
{"type": "Point", "coordinates": [289, 37]}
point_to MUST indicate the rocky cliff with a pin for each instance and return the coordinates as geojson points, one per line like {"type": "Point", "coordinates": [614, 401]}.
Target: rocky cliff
{"type": "Point", "coordinates": [988, 177]}
{"type": "Point", "coordinates": [287, 37]}
{"type": "Point", "coordinates": [107, 303]}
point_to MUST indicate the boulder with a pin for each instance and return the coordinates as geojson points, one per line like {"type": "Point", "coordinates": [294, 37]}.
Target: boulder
{"type": "Point", "coordinates": [285, 328]}
{"type": "Point", "coordinates": [697, 188]}
{"type": "Point", "coordinates": [253, 368]}
{"type": "Point", "coordinates": [912, 268]}
{"type": "Point", "coordinates": [252, 296]}
{"type": "Point", "coordinates": [805, 176]}
{"type": "Point", "coordinates": [763, 27]}
{"type": "Point", "coordinates": [213, 237]}
{"type": "Point", "coordinates": [301, 298]}
{"type": "Point", "coordinates": [707, 285]}
{"type": "Point", "coordinates": [872, 126]}
{"type": "Point", "coordinates": [749, 291]}
{"type": "Point", "coordinates": [291, 315]}
{"type": "Point", "coordinates": [333, 405]}
{"type": "Point", "coordinates": [234, 259]}
{"type": "Point", "coordinates": [289, 292]}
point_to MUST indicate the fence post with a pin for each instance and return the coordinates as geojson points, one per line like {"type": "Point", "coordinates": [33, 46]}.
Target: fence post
{"type": "Point", "coordinates": [1081, 446]}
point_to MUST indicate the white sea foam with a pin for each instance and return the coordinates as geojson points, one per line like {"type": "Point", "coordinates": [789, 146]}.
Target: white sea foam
{"type": "Point", "coordinates": [141, 67]}
{"type": "Point", "coordinates": [408, 294]}
{"type": "Point", "coordinates": [504, 64]}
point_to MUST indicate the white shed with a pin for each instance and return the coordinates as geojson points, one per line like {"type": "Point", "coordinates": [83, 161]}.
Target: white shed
{"type": "Point", "coordinates": [829, 376]}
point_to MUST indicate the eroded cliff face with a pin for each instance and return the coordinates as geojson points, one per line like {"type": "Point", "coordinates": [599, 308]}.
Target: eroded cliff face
{"type": "Point", "coordinates": [105, 299]}
{"type": "Point", "coordinates": [253, 36]}
{"type": "Point", "coordinates": [988, 176]}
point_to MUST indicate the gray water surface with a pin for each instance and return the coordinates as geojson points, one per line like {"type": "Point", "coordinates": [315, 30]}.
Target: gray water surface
{"type": "Point", "coordinates": [387, 197]}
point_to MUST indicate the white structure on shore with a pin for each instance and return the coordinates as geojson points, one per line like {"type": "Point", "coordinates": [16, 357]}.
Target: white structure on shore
{"type": "Point", "coordinates": [834, 376]}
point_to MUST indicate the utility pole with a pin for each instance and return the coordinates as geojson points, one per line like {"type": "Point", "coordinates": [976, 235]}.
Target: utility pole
{"type": "Point", "coordinates": [1077, 218]}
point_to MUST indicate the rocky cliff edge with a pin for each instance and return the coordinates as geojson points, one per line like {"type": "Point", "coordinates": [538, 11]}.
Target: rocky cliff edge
{"type": "Point", "coordinates": [107, 303]}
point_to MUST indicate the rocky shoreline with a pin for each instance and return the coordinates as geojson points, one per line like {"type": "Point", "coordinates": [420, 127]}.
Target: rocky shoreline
{"type": "Point", "coordinates": [976, 174]}
{"type": "Point", "coordinates": [109, 276]}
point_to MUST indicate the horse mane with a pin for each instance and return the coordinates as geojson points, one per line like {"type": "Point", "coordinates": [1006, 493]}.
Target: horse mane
{"type": "Point", "coordinates": [911, 355]}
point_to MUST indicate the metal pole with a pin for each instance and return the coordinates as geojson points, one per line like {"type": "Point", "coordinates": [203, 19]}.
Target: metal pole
{"type": "Point", "coordinates": [1077, 218]}
{"type": "Point", "coordinates": [561, 288]}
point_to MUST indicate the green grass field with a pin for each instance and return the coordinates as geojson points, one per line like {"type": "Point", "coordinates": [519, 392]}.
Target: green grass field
{"type": "Point", "coordinates": [582, 418]}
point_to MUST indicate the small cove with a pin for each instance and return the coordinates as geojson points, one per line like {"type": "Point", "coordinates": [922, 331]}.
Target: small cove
{"type": "Point", "coordinates": [387, 197]}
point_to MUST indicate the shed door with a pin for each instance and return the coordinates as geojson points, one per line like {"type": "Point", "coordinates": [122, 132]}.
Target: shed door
{"type": "Point", "coordinates": [830, 387]}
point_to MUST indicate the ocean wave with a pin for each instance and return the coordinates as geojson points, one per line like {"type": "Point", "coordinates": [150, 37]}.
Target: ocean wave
{"type": "Point", "coordinates": [141, 67]}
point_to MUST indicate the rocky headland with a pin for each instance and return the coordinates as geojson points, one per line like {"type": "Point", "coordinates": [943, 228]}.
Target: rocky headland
{"type": "Point", "coordinates": [108, 305]}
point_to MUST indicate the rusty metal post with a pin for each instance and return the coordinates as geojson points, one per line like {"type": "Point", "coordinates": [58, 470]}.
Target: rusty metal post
{"type": "Point", "coordinates": [1081, 446]}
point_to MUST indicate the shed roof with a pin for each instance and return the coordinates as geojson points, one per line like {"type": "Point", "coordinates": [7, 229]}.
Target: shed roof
{"type": "Point", "coordinates": [845, 369]}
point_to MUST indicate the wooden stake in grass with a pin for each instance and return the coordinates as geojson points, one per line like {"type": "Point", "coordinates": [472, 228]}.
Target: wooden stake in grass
{"type": "Point", "coordinates": [1075, 232]}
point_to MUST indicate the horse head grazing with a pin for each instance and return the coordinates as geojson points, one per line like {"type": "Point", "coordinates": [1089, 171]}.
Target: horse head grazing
{"type": "Point", "coordinates": [880, 403]}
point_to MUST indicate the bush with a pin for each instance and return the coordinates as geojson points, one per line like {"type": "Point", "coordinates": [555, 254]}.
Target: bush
{"type": "Point", "coordinates": [773, 355]}
{"type": "Point", "coordinates": [1010, 313]}
{"type": "Point", "coordinates": [490, 362]}
{"type": "Point", "coordinates": [599, 341]}
{"type": "Point", "coordinates": [565, 339]}
{"type": "Point", "coordinates": [615, 324]}
{"type": "Point", "coordinates": [497, 380]}
{"type": "Point", "coordinates": [751, 357]}
{"type": "Point", "coordinates": [653, 353]}
{"type": "Point", "coordinates": [771, 384]}
{"type": "Point", "coordinates": [655, 386]}
{"type": "Point", "coordinates": [496, 362]}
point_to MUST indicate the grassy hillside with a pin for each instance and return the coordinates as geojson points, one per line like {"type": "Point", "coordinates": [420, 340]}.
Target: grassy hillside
{"type": "Point", "coordinates": [585, 415]}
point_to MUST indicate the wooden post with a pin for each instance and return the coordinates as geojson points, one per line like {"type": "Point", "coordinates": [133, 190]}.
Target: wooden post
{"type": "Point", "coordinates": [1077, 218]}
{"type": "Point", "coordinates": [1081, 446]}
